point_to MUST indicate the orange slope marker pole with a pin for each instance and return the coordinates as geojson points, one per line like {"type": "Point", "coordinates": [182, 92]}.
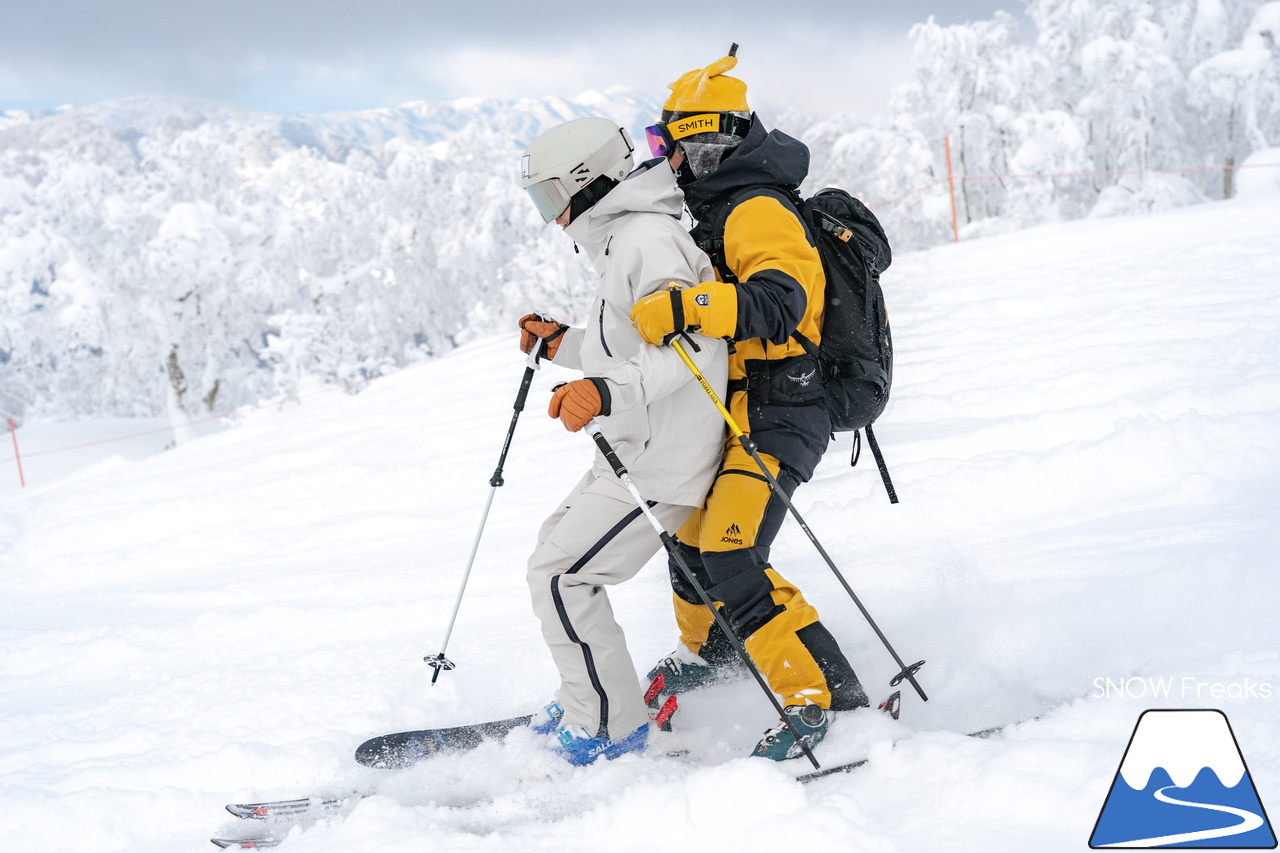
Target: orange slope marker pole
{"type": "Point", "coordinates": [17, 457]}
{"type": "Point", "coordinates": [951, 185]}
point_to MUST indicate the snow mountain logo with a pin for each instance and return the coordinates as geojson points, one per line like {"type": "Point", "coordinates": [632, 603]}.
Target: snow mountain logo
{"type": "Point", "coordinates": [733, 535]}
{"type": "Point", "coordinates": [1183, 783]}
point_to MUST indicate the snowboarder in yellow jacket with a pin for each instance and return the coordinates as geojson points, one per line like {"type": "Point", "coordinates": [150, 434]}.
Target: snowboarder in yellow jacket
{"type": "Point", "coordinates": [769, 286]}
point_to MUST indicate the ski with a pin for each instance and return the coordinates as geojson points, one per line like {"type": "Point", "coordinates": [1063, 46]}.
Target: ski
{"type": "Point", "coordinates": [404, 749]}
{"type": "Point", "coordinates": [407, 748]}
{"type": "Point", "coordinates": [303, 808]}
{"type": "Point", "coordinates": [247, 843]}
{"type": "Point", "coordinates": [850, 766]}
{"type": "Point", "coordinates": [288, 813]}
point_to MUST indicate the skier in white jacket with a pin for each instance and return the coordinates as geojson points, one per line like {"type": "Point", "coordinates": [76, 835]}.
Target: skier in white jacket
{"type": "Point", "coordinates": [648, 405]}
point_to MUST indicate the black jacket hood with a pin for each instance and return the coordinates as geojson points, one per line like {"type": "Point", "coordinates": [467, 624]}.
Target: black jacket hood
{"type": "Point", "coordinates": [765, 158]}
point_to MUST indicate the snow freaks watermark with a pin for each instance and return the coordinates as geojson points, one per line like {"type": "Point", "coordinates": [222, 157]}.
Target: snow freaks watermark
{"type": "Point", "coordinates": [1187, 688]}
{"type": "Point", "coordinates": [1183, 782]}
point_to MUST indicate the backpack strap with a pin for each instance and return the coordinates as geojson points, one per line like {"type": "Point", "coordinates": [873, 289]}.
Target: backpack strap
{"type": "Point", "coordinates": [709, 232]}
{"type": "Point", "coordinates": [713, 244]}
{"type": "Point", "coordinates": [884, 469]}
{"type": "Point", "coordinates": [809, 346]}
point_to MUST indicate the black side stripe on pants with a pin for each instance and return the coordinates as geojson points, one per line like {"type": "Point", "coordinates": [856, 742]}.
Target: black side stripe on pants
{"type": "Point", "coordinates": [587, 657]}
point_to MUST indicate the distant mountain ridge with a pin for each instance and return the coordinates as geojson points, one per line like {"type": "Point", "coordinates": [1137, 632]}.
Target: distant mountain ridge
{"type": "Point", "coordinates": [423, 121]}
{"type": "Point", "coordinates": [521, 119]}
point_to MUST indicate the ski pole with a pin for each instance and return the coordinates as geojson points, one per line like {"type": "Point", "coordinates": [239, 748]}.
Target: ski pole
{"type": "Point", "coordinates": [907, 673]}
{"type": "Point", "coordinates": [440, 662]}
{"type": "Point", "coordinates": [669, 542]}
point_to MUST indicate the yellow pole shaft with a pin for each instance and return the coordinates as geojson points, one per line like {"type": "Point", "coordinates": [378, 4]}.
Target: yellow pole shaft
{"type": "Point", "coordinates": [706, 386]}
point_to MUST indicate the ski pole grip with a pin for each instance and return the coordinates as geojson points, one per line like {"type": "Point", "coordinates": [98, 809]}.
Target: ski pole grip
{"type": "Point", "coordinates": [523, 394]}
{"type": "Point", "coordinates": [597, 436]}
{"type": "Point", "coordinates": [539, 351]}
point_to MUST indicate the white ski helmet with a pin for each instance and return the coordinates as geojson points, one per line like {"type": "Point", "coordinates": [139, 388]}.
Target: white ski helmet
{"type": "Point", "coordinates": [576, 162]}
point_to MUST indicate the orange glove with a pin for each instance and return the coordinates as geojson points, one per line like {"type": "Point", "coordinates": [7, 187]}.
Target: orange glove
{"type": "Point", "coordinates": [533, 326]}
{"type": "Point", "coordinates": [577, 402]}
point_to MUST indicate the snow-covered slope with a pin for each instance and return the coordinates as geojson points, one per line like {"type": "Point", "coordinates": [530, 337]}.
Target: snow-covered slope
{"type": "Point", "coordinates": [1085, 434]}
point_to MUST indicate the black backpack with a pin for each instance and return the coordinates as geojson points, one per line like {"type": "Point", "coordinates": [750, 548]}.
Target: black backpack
{"type": "Point", "coordinates": [856, 352]}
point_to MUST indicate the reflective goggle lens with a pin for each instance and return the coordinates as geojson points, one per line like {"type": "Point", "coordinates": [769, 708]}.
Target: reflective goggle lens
{"type": "Point", "coordinates": [663, 135]}
{"type": "Point", "coordinates": [659, 143]}
{"type": "Point", "coordinates": [549, 197]}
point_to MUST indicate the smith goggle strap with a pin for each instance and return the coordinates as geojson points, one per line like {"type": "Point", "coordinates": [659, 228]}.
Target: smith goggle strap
{"type": "Point", "coordinates": [663, 136]}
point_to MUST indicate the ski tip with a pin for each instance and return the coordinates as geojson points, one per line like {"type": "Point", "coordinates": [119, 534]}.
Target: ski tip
{"type": "Point", "coordinates": [893, 705]}
{"type": "Point", "coordinates": [391, 753]}
{"type": "Point", "coordinates": [247, 811]}
{"type": "Point", "coordinates": [245, 843]}
{"type": "Point", "coordinates": [405, 749]}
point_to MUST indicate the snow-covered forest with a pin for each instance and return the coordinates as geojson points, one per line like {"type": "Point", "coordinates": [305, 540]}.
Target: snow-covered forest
{"type": "Point", "coordinates": [164, 255]}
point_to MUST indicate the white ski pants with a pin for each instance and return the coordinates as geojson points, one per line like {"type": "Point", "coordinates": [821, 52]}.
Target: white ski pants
{"type": "Point", "coordinates": [595, 538]}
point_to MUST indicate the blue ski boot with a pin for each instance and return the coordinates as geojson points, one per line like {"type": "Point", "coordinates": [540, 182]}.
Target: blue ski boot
{"type": "Point", "coordinates": [547, 720]}
{"type": "Point", "coordinates": [580, 748]}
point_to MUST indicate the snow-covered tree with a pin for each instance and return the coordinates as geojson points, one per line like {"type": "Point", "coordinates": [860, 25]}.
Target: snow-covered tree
{"type": "Point", "coordinates": [1237, 95]}
{"type": "Point", "coordinates": [892, 166]}
{"type": "Point", "coordinates": [175, 255]}
{"type": "Point", "coordinates": [971, 83]}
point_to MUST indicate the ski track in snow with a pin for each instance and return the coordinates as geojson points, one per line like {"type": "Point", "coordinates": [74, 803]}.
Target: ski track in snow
{"type": "Point", "coordinates": [1084, 431]}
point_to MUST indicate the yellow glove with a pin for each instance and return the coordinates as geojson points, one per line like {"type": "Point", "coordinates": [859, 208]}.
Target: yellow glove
{"type": "Point", "coordinates": [711, 308]}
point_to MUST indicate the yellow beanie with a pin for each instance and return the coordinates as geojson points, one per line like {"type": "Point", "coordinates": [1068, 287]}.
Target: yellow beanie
{"type": "Point", "coordinates": [707, 90]}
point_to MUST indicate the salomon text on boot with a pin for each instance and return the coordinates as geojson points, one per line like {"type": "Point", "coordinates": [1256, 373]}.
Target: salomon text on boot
{"type": "Point", "coordinates": [579, 748]}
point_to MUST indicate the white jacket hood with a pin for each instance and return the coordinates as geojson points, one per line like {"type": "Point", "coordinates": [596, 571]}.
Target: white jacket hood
{"type": "Point", "coordinates": [651, 188]}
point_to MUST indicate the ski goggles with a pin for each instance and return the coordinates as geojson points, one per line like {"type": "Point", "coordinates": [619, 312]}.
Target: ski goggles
{"type": "Point", "coordinates": [550, 197]}
{"type": "Point", "coordinates": [663, 136]}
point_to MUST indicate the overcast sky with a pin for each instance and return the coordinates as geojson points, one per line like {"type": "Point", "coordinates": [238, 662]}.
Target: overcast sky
{"type": "Point", "coordinates": [301, 56]}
